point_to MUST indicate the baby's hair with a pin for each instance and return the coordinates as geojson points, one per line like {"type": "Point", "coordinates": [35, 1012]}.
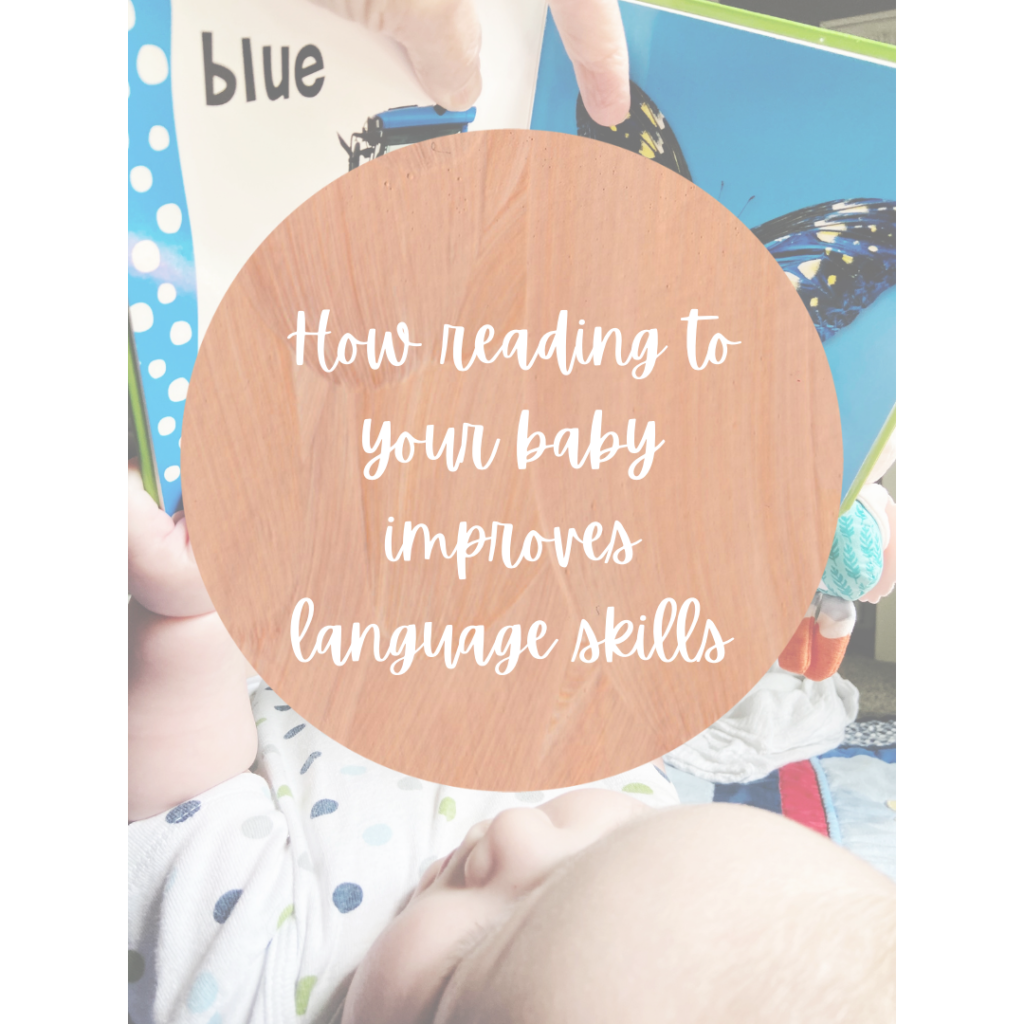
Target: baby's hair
{"type": "Point", "coordinates": [761, 922]}
{"type": "Point", "coordinates": [826, 957]}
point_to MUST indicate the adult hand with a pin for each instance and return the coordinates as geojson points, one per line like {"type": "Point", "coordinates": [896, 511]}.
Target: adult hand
{"type": "Point", "coordinates": [442, 39]}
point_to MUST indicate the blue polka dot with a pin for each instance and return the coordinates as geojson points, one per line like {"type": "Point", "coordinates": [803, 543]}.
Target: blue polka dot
{"type": "Point", "coordinates": [203, 992]}
{"type": "Point", "coordinates": [215, 1019]}
{"type": "Point", "coordinates": [309, 760]}
{"type": "Point", "coordinates": [354, 769]}
{"type": "Point", "coordinates": [347, 896]}
{"type": "Point", "coordinates": [282, 707]}
{"type": "Point", "coordinates": [377, 835]}
{"type": "Point", "coordinates": [182, 812]}
{"type": "Point", "coordinates": [294, 731]}
{"type": "Point", "coordinates": [323, 807]}
{"type": "Point", "coordinates": [223, 907]}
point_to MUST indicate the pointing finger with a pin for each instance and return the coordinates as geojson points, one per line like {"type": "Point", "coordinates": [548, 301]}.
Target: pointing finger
{"type": "Point", "coordinates": [595, 41]}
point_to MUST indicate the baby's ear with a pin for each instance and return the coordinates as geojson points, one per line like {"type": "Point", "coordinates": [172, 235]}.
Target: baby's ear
{"type": "Point", "coordinates": [162, 572]}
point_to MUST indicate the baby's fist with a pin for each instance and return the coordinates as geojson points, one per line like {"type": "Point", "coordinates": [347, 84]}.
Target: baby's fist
{"type": "Point", "coordinates": [162, 571]}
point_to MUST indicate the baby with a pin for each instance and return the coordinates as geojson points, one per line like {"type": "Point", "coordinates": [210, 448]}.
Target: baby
{"type": "Point", "coordinates": [283, 892]}
{"type": "Point", "coordinates": [594, 909]}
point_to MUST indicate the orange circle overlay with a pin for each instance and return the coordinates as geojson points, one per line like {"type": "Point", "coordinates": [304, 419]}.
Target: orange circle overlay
{"type": "Point", "coordinates": [737, 508]}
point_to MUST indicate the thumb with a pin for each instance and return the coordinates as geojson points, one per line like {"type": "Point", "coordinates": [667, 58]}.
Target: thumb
{"type": "Point", "coordinates": [441, 37]}
{"type": "Point", "coordinates": [595, 41]}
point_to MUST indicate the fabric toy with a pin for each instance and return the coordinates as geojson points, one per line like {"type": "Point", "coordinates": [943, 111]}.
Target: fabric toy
{"type": "Point", "coordinates": [861, 567]}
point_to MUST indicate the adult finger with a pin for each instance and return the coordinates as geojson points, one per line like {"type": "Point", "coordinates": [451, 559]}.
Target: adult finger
{"type": "Point", "coordinates": [595, 41]}
{"type": "Point", "coordinates": [441, 37]}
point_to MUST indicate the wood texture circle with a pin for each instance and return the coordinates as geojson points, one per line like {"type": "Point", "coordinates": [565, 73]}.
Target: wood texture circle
{"type": "Point", "coordinates": [738, 509]}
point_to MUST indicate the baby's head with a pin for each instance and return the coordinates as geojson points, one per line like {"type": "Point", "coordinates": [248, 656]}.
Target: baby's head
{"type": "Point", "coordinates": [592, 908]}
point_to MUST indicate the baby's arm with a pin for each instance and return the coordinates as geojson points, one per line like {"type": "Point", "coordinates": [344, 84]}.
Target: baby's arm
{"type": "Point", "coordinates": [190, 725]}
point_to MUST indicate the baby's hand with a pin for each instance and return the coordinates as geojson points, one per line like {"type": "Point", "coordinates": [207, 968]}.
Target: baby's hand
{"type": "Point", "coordinates": [190, 724]}
{"type": "Point", "coordinates": [162, 571]}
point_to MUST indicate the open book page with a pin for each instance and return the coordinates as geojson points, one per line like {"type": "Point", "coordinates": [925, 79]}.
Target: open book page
{"type": "Point", "coordinates": [795, 138]}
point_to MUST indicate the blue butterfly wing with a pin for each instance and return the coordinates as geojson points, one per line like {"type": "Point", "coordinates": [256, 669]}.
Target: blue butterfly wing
{"type": "Point", "coordinates": [645, 131]}
{"type": "Point", "coordinates": [840, 256]}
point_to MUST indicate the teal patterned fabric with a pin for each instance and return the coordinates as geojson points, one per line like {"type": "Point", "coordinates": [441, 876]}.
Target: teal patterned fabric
{"type": "Point", "coordinates": [855, 562]}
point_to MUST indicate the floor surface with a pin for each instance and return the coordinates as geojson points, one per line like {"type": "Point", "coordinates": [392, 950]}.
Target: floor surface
{"type": "Point", "coordinates": [876, 681]}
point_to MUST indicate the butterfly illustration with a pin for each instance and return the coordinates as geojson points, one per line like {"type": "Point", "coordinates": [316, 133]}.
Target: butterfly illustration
{"type": "Point", "coordinates": [840, 256]}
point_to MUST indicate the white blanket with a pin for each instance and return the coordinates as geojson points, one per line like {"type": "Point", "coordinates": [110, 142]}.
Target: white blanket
{"type": "Point", "coordinates": [784, 718]}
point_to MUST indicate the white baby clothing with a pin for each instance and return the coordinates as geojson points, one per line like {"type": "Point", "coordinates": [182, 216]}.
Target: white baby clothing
{"type": "Point", "coordinates": [256, 901]}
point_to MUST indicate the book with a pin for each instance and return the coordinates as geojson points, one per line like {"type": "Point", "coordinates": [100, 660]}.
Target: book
{"type": "Point", "coordinates": [240, 111]}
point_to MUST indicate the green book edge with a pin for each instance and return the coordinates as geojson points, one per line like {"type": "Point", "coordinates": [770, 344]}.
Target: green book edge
{"type": "Point", "coordinates": [869, 462]}
{"type": "Point", "coordinates": [137, 404]}
{"type": "Point", "coordinates": [781, 27]}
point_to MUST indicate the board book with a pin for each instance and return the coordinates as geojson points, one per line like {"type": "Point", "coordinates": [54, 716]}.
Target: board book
{"type": "Point", "coordinates": [240, 111]}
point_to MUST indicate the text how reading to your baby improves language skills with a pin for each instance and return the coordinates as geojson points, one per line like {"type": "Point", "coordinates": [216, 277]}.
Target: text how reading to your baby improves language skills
{"type": "Point", "coordinates": [386, 445]}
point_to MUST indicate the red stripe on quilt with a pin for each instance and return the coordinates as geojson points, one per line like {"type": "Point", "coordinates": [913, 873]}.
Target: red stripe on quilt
{"type": "Point", "coordinates": [800, 796]}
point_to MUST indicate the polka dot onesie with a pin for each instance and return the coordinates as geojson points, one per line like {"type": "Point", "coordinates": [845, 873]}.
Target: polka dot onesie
{"type": "Point", "coordinates": [255, 902]}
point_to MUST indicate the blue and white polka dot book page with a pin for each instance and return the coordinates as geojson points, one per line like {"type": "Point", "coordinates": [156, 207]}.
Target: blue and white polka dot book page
{"type": "Point", "coordinates": [238, 113]}
{"type": "Point", "coordinates": [161, 268]}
